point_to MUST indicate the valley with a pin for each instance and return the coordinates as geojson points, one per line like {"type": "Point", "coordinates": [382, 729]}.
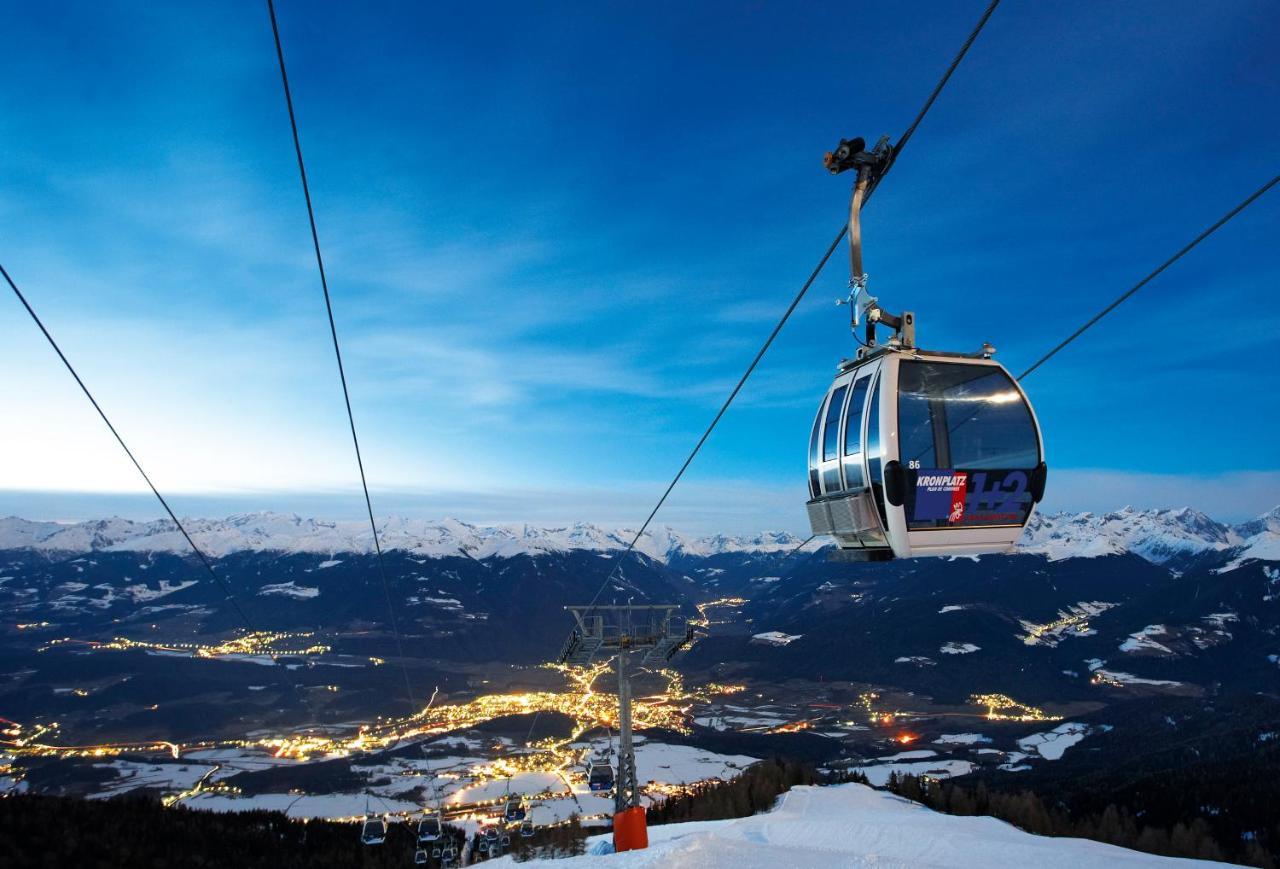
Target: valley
{"type": "Point", "coordinates": [126, 674]}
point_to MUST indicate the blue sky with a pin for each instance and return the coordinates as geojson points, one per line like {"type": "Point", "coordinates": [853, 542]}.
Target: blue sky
{"type": "Point", "coordinates": [556, 234]}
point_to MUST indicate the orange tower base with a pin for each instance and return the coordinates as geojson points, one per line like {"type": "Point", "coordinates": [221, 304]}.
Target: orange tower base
{"type": "Point", "coordinates": [630, 832]}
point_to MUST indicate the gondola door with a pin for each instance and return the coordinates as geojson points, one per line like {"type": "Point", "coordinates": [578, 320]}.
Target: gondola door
{"type": "Point", "coordinates": [963, 463]}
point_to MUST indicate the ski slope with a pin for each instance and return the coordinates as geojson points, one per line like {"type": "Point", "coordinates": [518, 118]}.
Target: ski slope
{"type": "Point", "coordinates": [853, 825]}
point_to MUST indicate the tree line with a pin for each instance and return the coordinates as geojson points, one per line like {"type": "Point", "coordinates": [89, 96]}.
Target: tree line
{"type": "Point", "coordinates": [1114, 825]}
{"type": "Point", "coordinates": [756, 790]}
{"type": "Point", "coordinates": [137, 832]}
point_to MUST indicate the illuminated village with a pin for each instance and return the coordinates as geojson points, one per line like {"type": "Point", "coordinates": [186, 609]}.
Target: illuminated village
{"type": "Point", "coordinates": [470, 777]}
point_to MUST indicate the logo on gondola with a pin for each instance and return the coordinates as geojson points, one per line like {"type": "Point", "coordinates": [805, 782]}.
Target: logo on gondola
{"type": "Point", "coordinates": [940, 494]}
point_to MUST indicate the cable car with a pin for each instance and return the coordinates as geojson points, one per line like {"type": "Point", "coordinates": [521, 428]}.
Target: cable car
{"type": "Point", "coordinates": [429, 827]}
{"type": "Point", "coordinates": [514, 811]}
{"type": "Point", "coordinates": [374, 830]}
{"type": "Point", "coordinates": [923, 453]}
{"type": "Point", "coordinates": [917, 452]}
{"type": "Point", "coordinates": [420, 856]}
{"type": "Point", "coordinates": [526, 828]}
{"type": "Point", "coordinates": [601, 776]}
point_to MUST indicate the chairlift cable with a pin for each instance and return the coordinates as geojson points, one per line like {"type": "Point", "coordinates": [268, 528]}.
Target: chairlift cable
{"type": "Point", "coordinates": [813, 276]}
{"type": "Point", "coordinates": [337, 350]}
{"type": "Point", "coordinates": [1140, 284]}
{"type": "Point", "coordinates": [226, 590]}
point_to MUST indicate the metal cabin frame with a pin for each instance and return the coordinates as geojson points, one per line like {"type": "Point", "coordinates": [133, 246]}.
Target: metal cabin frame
{"type": "Point", "coordinates": [864, 522]}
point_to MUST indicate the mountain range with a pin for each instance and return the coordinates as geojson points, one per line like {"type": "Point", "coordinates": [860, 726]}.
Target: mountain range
{"type": "Point", "coordinates": [1155, 535]}
{"type": "Point", "coordinates": [1094, 608]}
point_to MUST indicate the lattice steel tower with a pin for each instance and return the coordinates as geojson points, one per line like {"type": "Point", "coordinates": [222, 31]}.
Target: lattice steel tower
{"type": "Point", "coordinates": [622, 631]}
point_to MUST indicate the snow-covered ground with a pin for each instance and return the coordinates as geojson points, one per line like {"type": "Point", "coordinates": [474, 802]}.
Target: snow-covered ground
{"type": "Point", "coordinates": [961, 739]}
{"type": "Point", "coordinates": [303, 806]}
{"type": "Point", "coordinates": [290, 589]}
{"type": "Point", "coordinates": [774, 638]}
{"type": "Point", "coordinates": [1145, 641]}
{"type": "Point", "coordinates": [851, 826]}
{"type": "Point", "coordinates": [915, 763]}
{"type": "Point", "coordinates": [462, 779]}
{"type": "Point", "coordinates": [1052, 744]}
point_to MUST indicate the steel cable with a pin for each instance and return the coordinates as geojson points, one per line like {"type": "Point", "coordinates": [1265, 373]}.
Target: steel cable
{"type": "Point", "coordinates": [337, 352]}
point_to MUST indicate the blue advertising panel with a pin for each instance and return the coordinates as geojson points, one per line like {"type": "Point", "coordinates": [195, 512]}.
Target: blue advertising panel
{"type": "Point", "coordinates": [966, 497]}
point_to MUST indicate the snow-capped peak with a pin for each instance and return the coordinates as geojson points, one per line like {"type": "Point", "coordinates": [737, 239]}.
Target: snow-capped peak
{"type": "Point", "coordinates": [1267, 523]}
{"type": "Point", "coordinates": [1156, 535]}
{"type": "Point", "coordinates": [1261, 539]}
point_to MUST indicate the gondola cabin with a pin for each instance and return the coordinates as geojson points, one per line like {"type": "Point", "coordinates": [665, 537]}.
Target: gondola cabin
{"type": "Point", "coordinates": [373, 831]}
{"type": "Point", "coordinates": [429, 828]}
{"type": "Point", "coordinates": [918, 453]}
{"type": "Point", "coordinates": [600, 777]}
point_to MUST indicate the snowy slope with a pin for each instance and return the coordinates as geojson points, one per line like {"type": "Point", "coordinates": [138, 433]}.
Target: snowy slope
{"type": "Point", "coordinates": [275, 532]}
{"type": "Point", "coordinates": [1156, 535]}
{"type": "Point", "coordinates": [853, 825]}
{"type": "Point", "coordinates": [1261, 539]}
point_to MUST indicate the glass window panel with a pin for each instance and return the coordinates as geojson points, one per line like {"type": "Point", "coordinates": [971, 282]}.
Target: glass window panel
{"type": "Point", "coordinates": [813, 453]}
{"type": "Point", "coordinates": [964, 416]}
{"type": "Point", "coordinates": [831, 427]}
{"type": "Point", "coordinates": [873, 434]}
{"type": "Point", "coordinates": [853, 426]}
{"type": "Point", "coordinates": [813, 438]}
{"type": "Point", "coordinates": [831, 480]}
{"type": "Point", "coordinates": [853, 478]}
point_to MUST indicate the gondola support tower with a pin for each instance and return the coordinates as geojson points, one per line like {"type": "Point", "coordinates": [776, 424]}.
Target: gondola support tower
{"type": "Point", "coordinates": [651, 633]}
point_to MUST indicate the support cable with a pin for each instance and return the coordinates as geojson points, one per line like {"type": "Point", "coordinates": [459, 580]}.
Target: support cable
{"type": "Point", "coordinates": [337, 351]}
{"type": "Point", "coordinates": [1123, 296]}
{"type": "Point", "coordinates": [1142, 283]}
{"type": "Point", "coordinates": [813, 276]}
{"type": "Point", "coordinates": [226, 590]}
